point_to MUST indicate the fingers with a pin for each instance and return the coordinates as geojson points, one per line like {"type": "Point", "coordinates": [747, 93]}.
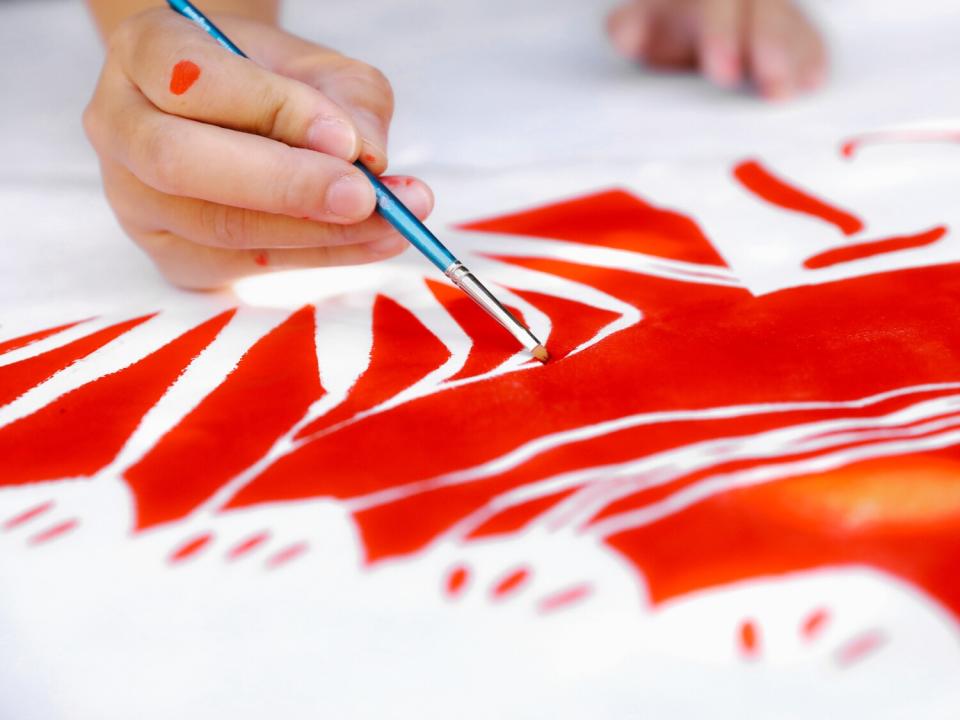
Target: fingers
{"type": "Point", "coordinates": [628, 27]}
{"type": "Point", "coordinates": [787, 55]}
{"type": "Point", "coordinates": [721, 41]}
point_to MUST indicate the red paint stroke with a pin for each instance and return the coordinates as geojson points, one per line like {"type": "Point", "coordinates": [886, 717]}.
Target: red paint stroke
{"type": "Point", "coordinates": [859, 648]}
{"type": "Point", "coordinates": [615, 219]}
{"type": "Point", "coordinates": [564, 598]}
{"type": "Point", "coordinates": [244, 547]}
{"type": "Point", "coordinates": [54, 532]}
{"type": "Point", "coordinates": [748, 639]}
{"type": "Point", "coordinates": [190, 548]}
{"type": "Point", "coordinates": [24, 340]}
{"type": "Point", "coordinates": [514, 518]}
{"type": "Point", "coordinates": [761, 182]}
{"type": "Point", "coordinates": [850, 253]}
{"type": "Point", "coordinates": [492, 345]}
{"type": "Point", "coordinates": [286, 555]}
{"type": "Point", "coordinates": [269, 391]}
{"type": "Point", "coordinates": [260, 258]}
{"type": "Point", "coordinates": [851, 147]}
{"type": "Point", "coordinates": [404, 351]}
{"type": "Point", "coordinates": [510, 583]}
{"type": "Point", "coordinates": [82, 431]}
{"type": "Point", "coordinates": [457, 580]}
{"type": "Point", "coordinates": [185, 74]}
{"type": "Point", "coordinates": [27, 515]}
{"type": "Point", "coordinates": [18, 377]}
{"type": "Point", "coordinates": [814, 624]}
{"type": "Point", "coordinates": [572, 323]}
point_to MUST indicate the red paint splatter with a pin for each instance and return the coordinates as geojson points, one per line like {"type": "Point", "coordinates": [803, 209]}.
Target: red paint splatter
{"type": "Point", "coordinates": [748, 638]}
{"type": "Point", "coordinates": [511, 583]}
{"type": "Point", "coordinates": [82, 431]}
{"type": "Point", "coordinates": [849, 253]}
{"type": "Point", "coordinates": [286, 555]}
{"type": "Point", "coordinates": [859, 648]}
{"type": "Point", "coordinates": [24, 340]}
{"type": "Point", "coordinates": [27, 515]}
{"type": "Point", "coordinates": [369, 158]}
{"type": "Point", "coordinates": [54, 532]}
{"type": "Point", "coordinates": [760, 181]}
{"type": "Point", "coordinates": [18, 377]}
{"type": "Point", "coordinates": [260, 258]}
{"type": "Point", "coordinates": [269, 391]}
{"type": "Point", "coordinates": [190, 548]}
{"type": "Point", "coordinates": [814, 624]}
{"type": "Point", "coordinates": [184, 75]}
{"type": "Point", "coordinates": [457, 580]}
{"type": "Point", "coordinates": [565, 598]}
{"type": "Point", "coordinates": [246, 546]}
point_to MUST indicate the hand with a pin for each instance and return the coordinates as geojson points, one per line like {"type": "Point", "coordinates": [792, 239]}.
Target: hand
{"type": "Point", "coordinates": [219, 167]}
{"type": "Point", "coordinates": [770, 42]}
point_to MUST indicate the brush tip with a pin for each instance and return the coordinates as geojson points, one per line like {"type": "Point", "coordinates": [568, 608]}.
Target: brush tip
{"type": "Point", "coordinates": [540, 353]}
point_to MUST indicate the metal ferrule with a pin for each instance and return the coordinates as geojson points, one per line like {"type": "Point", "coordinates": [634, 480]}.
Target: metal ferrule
{"type": "Point", "coordinates": [466, 281]}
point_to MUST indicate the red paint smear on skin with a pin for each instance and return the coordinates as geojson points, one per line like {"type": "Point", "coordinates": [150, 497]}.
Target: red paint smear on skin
{"type": "Point", "coordinates": [24, 340]}
{"type": "Point", "coordinates": [404, 351]}
{"type": "Point", "coordinates": [260, 259]}
{"type": "Point", "coordinates": [27, 516]}
{"type": "Point", "coordinates": [246, 546]}
{"type": "Point", "coordinates": [269, 391]}
{"type": "Point", "coordinates": [748, 637]}
{"type": "Point", "coordinates": [16, 378]}
{"type": "Point", "coordinates": [492, 345]}
{"type": "Point", "coordinates": [851, 147]}
{"type": "Point", "coordinates": [814, 624]}
{"type": "Point", "coordinates": [286, 555]}
{"type": "Point", "coordinates": [190, 548]}
{"type": "Point", "coordinates": [82, 431]}
{"type": "Point", "coordinates": [185, 74]}
{"type": "Point", "coordinates": [860, 251]}
{"type": "Point", "coordinates": [614, 219]}
{"type": "Point", "coordinates": [56, 531]}
{"type": "Point", "coordinates": [511, 583]}
{"type": "Point", "coordinates": [760, 181]}
{"type": "Point", "coordinates": [859, 648]}
{"type": "Point", "coordinates": [564, 599]}
{"type": "Point", "coordinates": [457, 580]}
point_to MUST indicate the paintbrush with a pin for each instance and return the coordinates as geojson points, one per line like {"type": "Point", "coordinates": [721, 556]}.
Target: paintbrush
{"type": "Point", "coordinates": [405, 222]}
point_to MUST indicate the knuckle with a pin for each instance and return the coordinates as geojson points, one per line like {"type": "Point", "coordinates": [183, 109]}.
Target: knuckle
{"type": "Point", "coordinates": [297, 189]}
{"type": "Point", "coordinates": [227, 226]}
{"type": "Point", "coordinates": [274, 106]}
{"type": "Point", "coordinates": [160, 160]}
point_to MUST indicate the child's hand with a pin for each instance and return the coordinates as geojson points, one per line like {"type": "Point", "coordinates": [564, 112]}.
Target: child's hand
{"type": "Point", "coordinates": [769, 41]}
{"type": "Point", "coordinates": [219, 168]}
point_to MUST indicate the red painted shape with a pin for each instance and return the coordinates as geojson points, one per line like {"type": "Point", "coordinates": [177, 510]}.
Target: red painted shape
{"type": "Point", "coordinates": [814, 623]}
{"type": "Point", "coordinates": [849, 253]}
{"type": "Point", "coordinates": [260, 258]}
{"type": "Point", "coordinates": [82, 431]}
{"type": "Point", "coordinates": [748, 638]}
{"type": "Point", "coordinates": [286, 555]}
{"type": "Point", "coordinates": [573, 323]}
{"type": "Point", "coordinates": [859, 648]}
{"type": "Point", "coordinates": [457, 580]}
{"type": "Point", "coordinates": [24, 340]}
{"type": "Point", "coordinates": [761, 182]}
{"type": "Point", "coordinates": [404, 351]}
{"type": "Point", "coordinates": [269, 391]}
{"type": "Point", "coordinates": [565, 598]}
{"type": "Point", "coordinates": [27, 515]}
{"type": "Point", "coordinates": [18, 377]}
{"type": "Point", "coordinates": [510, 583]}
{"type": "Point", "coordinates": [190, 548]}
{"type": "Point", "coordinates": [615, 219]}
{"type": "Point", "coordinates": [185, 74]}
{"type": "Point", "coordinates": [54, 532]}
{"type": "Point", "coordinates": [516, 517]}
{"type": "Point", "coordinates": [246, 546]}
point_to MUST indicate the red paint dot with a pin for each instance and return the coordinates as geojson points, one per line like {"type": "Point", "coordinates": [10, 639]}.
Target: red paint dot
{"type": "Point", "coordinates": [260, 259]}
{"type": "Point", "coordinates": [369, 158]}
{"type": "Point", "coordinates": [27, 516]}
{"type": "Point", "coordinates": [814, 623]}
{"type": "Point", "coordinates": [286, 555]}
{"type": "Point", "coordinates": [511, 583]}
{"type": "Point", "coordinates": [749, 638]}
{"type": "Point", "coordinates": [564, 598]}
{"type": "Point", "coordinates": [245, 546]}
{"type": "Point", "coordinates": [54, 532]}
{"type": "Point", "coordinates": [858, 648]}
{"type": "Point", "coordinates": [457, 580]}
{"type": "Point", "coordinates": [190, 548]}
{"type": "Point", "coordinates": [185, 74]}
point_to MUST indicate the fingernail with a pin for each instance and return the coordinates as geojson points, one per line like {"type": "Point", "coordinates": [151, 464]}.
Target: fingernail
{"type": "Point", "coordinates": [351, 196]}
{"type": "Point", "coordinates": [332, 135]}
{"type": "Point", "coordinates": [413, 194]}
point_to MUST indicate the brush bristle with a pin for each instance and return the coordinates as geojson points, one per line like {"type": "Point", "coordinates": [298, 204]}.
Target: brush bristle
{"type": "Point", "coordinates": [540, 353]}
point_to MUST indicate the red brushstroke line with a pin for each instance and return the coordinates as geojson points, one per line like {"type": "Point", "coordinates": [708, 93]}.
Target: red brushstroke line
{"type": "Point", "coordinates": [190, 548]}
{"type": "Point", "coordinates": [245, 546]}
{"type": "Point", "coordinates": [286, 555]}
{"type": "Point", "coordinates": [858, 648]}
{"type": "Point", "coordinates": [860, 251]}
{"type": "Point", "coordinates": [850, 147]}
{"type": "Point", "coordinates": [564, 598]}
{"type": "Point", "coordinates": [814, 623]}
{"type": "Point", "coordinates": [457, 580]}
{"type": "Point", "coordinates": [54, 532]}
{"type": "Point", "coordinates": [748, 637]}
{"type": "Point", "coordinates": [511, 583]}
{"type": "Point", "coordinates": [24, 340]}
{"type": "Point", "coordinates": [756, 178]}
{"type": "Point", "coordinates": [27, 515]}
